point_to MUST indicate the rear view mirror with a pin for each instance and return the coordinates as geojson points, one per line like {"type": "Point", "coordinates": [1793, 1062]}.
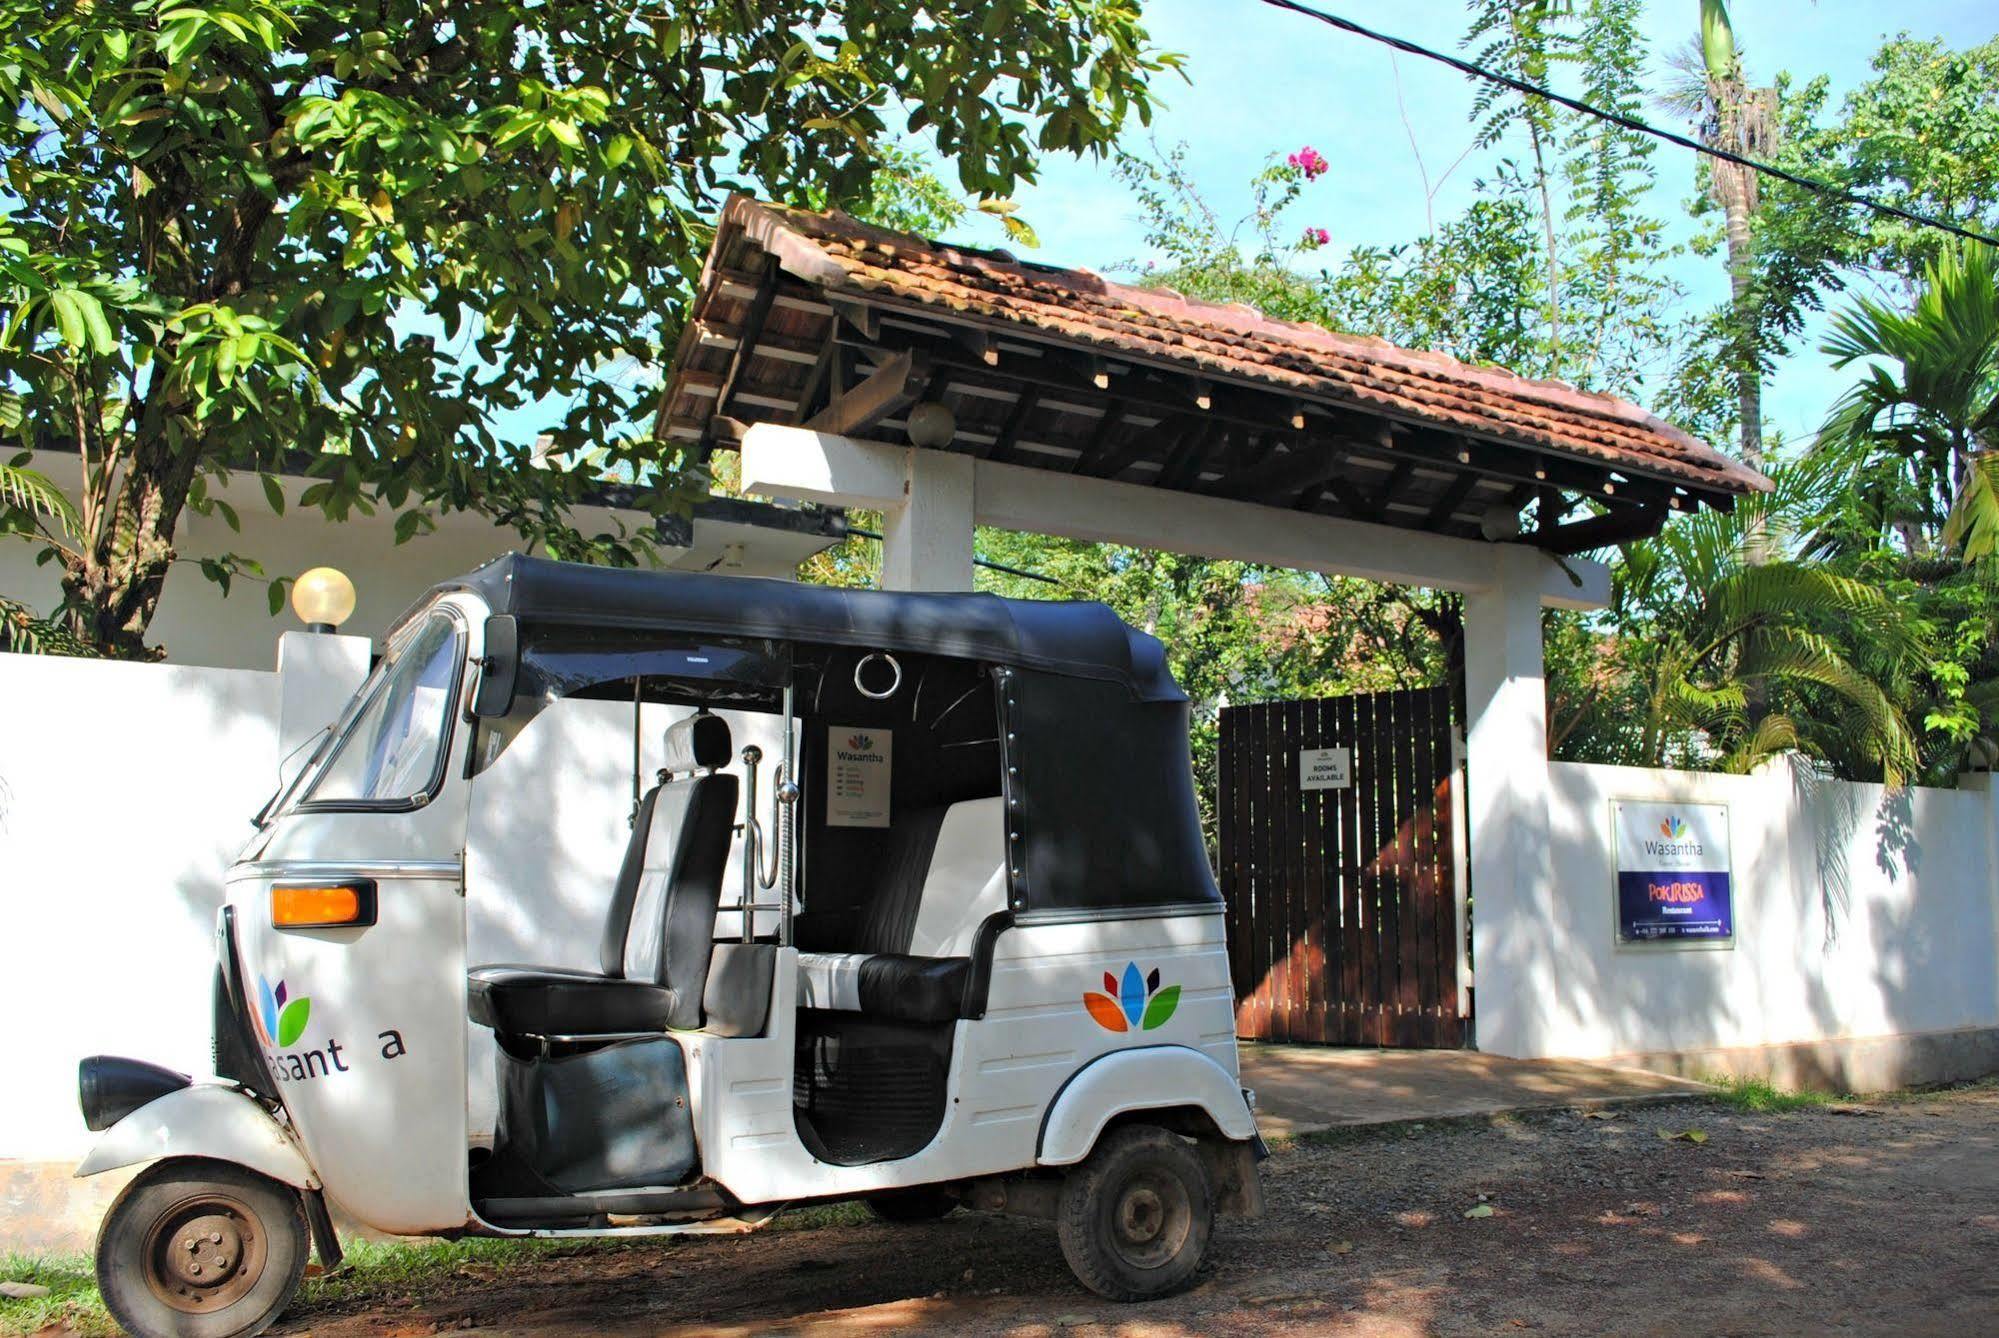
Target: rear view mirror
{"type": "Point", "coordinates": [499, 667]}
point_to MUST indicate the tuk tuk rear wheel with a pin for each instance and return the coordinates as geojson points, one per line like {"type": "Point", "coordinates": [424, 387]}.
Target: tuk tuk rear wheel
{"type": "Point", "coordinates": [201, 1249]}
{"type": "Point", "coordinates": [1134, 1218]}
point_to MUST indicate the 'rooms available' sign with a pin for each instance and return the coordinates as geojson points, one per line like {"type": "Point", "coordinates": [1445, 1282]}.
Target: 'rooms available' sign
{"type": "Point", "coordinates": [1673, 872]}
{"type": "Point", "coordinates": [1325, 768]}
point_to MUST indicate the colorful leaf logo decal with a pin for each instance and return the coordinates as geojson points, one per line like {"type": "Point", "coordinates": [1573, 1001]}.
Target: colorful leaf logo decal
{"type": "Point", "coordinates": [1131, 994]}
{"type": "Point", "coordinates": [1105, 1010]}
{"type": "Point", "coordinates": [291, 1022]}
{"type": "Point", "coordinates": [267, 1011]}
{"type": "Point", "coordinates": [1131, 1002]}
{"type": "Point", "coordinates": [280, 1018]}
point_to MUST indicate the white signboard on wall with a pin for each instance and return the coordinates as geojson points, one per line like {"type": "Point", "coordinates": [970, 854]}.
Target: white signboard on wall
{"type": "Point", "coordinates": [1325, 768]}
{"type": "Point", "coordinates": [1674, 875]}
{"type": "Point", "coordinates": [857, 775]}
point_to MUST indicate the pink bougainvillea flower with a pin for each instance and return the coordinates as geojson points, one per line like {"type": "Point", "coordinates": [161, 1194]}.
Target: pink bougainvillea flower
{"type": "Point", "coordinates": [1315, 238]}
{"type": "Point", "coordinates": [1309, 161]}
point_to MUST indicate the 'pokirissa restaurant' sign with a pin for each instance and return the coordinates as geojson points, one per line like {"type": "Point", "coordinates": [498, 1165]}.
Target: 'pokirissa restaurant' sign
{"type": "Point", "coordinates": [1673, 875]}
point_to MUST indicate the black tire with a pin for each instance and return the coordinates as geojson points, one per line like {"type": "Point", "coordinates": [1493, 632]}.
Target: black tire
{"type": "Point", "coordinates": [201, 1249]}
{"type": "Point", "coordinates": [924, 1203]}
{"type": "Point", "coordinates": [1134, 1218]}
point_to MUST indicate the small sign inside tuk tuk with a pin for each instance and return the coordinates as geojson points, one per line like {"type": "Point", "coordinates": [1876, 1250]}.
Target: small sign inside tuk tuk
{"type": "Point", "coordinates": [857, 776]}
{"type": "Point", "coordinates": [1325, 768]}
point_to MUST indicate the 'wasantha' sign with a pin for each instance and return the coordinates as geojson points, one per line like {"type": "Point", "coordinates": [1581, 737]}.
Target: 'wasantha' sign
{"type": "Point", "coordinates": [1673, 871]}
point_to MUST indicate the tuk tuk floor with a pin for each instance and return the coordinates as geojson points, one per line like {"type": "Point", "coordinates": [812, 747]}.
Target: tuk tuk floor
{"type": "Point", "coordinates": [1693, 1216]}
{"type": "Point", "coordinates": [1303, 1088]}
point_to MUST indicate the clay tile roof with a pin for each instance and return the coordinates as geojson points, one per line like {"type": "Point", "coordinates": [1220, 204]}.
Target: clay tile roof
{"type": "Point", "coordinates": [1230, 342]}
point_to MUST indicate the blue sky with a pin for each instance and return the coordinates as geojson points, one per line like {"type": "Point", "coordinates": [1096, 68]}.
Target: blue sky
{"type": "Point", "coordinates": [1265, 81]}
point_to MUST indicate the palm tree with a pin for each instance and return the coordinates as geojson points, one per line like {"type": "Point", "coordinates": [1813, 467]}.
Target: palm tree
{"type": "Point", "coordinates": [1737, 646]}
{"type": "Point", "coordinates": [1922, 423]}
{"type": "Point", "coordinates": [1728, 114]}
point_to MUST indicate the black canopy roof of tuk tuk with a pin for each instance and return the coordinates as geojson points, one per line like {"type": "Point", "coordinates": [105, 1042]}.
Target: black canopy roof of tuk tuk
{"type": "Point", "coordinates": [1072, 638]}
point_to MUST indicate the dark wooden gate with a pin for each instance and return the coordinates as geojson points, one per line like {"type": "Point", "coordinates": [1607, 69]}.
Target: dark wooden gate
{"type": "Point", "coordinates": [1342, 903]}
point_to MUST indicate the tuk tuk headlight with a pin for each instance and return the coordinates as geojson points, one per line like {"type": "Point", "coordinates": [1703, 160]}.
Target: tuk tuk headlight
{"type": "Point", "coordinates": [349, 903]}
{"type": "Point", "coordinates": [110, 1087]}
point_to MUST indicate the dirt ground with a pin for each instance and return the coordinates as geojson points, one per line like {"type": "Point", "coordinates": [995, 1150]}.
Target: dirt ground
{"type": "Point", "coordinates": [1880, 1218]}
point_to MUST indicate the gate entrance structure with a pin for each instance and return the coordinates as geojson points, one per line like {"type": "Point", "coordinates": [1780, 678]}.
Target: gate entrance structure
{"type": "Point", "coordinates": [1339, 863]}
{"type": "Point", "coordinates": [950, 387]}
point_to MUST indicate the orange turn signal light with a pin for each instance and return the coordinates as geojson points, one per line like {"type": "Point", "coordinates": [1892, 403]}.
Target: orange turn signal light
{"type": "Point", "coordinates": [323, 905]}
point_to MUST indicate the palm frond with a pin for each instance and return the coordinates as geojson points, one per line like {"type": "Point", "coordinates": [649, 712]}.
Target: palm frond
{"type": "Point", "coordinates": [1974, 515]}
{"type": "Point", "coordinates": [1795, 657]}
{"type": "Point", "coordinates": [1774, 734]}
{"type": "Point", "coordinates": [25, 632]}
{"type": "Point", "coordinates": [34, 492]}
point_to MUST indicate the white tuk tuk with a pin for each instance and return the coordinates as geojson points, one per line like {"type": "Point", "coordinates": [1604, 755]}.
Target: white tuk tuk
{"type": "Point", "coordinates": [974, 953]}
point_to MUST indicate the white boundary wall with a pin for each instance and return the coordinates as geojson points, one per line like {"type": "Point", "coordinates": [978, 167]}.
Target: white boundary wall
{"type": "Point", "coordinates": [1859, 913]}
{"type": "Point", "coordinates": [125, 790]}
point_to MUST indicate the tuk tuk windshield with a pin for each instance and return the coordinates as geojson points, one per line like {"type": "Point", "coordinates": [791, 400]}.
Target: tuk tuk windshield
{"type": "Point", "coordinates": [391, 753]}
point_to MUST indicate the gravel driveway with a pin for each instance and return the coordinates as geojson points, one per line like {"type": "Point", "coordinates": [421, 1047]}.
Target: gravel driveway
{"type": "Point", "coordinates": [1877, 1218]}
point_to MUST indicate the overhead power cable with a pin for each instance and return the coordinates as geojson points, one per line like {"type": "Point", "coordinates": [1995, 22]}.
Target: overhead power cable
{"type": "Point", "coordinates": [1813, 184]}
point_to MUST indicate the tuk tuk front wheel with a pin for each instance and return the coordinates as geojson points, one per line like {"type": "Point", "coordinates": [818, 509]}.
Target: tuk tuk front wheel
{"type": "Point", "coordinates": [201, 1249]}
{"type": "Point", "coordinates": [1134, 1218]}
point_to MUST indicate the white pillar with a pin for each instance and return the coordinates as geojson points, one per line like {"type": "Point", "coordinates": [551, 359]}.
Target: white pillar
{"type": "Point", "coordinates": [1508, 793]}
{"type": "Point", "coordinates": [927, 540]}
{"type": "Point", "coordinates": [317, 673]}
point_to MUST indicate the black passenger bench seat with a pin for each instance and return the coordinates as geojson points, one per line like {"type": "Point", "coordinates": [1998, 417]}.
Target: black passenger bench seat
{"type": "Point", "coordinates": [943, 865]}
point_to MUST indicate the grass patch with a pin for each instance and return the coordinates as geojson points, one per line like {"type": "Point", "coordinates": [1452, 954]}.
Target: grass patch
{"type": "Point", "coordinates": [373, 1268]}
{"type": "Point", "coordinates": [72, 1298]}
{"type": "Point", "coordinates": [1761, 1096]}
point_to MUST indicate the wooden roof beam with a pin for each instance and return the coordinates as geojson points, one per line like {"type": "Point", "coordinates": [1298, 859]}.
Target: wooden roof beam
{"type": "Point", "coordinates": [1620, 524]}
{"type": "Point", "coordinates": [897, 383]}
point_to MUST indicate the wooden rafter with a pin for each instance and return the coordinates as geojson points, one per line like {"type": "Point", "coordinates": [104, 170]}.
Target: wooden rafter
{"type": "Point", "coordinates": [747, 336]}
{"type": "Point", "coordinates": [1023, 408]}
{"type": "Point", "coordinates": [1453, 497]}
{"type": "Point", "coordinates": [1099, 444]}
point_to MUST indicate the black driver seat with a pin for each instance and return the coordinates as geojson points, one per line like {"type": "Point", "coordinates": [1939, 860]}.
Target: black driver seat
{"type": "Point", "coordinates": [660, 931]}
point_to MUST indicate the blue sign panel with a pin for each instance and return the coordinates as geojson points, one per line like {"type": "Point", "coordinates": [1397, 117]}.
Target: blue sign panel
{"type": "Point", "coordinates": [1673, 875]}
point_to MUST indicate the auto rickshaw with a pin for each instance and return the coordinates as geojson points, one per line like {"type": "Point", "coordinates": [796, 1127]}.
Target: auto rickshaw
{"type": "Point", "coordinates": [973, 954]}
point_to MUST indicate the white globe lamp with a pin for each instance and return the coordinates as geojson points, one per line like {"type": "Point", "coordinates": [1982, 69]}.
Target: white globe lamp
{"type": "Point", "coordinates": [323, 598]}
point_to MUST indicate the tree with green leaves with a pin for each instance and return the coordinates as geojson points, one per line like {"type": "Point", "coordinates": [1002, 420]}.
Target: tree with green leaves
{"type": "Point", "coordinates": [1560, 270]}
{"type": "Point", "coordinates": [246, 234]}
{"type": "Point", "coordinates": [1921, 425]}
{"type": "Point", "coordinates": [1721, 650]}
{"type": "Point", "coordinates": [1920, 134]}
{"type": "Point", "coordinates": [1524, 39]}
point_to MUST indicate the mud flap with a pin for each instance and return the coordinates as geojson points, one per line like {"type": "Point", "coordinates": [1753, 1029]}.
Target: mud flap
{"type": "Point", "coordinates": [1232, 1174]}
